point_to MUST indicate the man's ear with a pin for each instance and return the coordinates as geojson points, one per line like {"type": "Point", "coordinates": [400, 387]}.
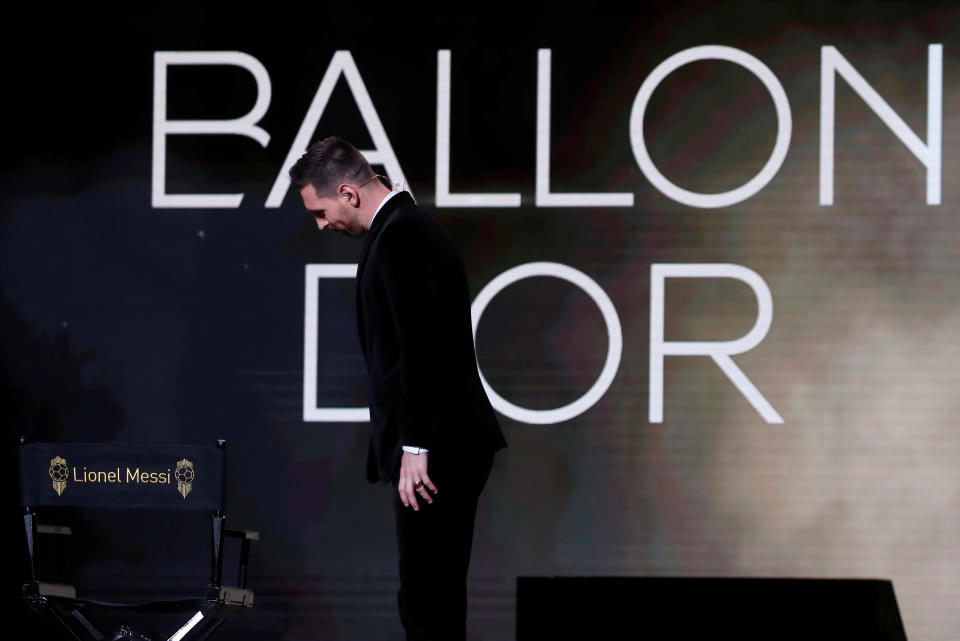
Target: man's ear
{"type": "Point", "coordinates": [349, 194]}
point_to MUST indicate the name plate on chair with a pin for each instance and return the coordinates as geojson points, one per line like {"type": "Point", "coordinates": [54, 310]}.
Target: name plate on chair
{"type": "Point", "coordinates": [115, 475]}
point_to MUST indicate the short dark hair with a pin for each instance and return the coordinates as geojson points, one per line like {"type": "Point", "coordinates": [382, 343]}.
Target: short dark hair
{"type": "Point", "coordinates": [327, 163]}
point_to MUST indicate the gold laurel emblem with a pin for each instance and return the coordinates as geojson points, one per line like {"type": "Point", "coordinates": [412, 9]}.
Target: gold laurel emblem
{"type": "Point", "coordinates": [184, 475]}
{"type": "Point", "coordinates": [58, 474]}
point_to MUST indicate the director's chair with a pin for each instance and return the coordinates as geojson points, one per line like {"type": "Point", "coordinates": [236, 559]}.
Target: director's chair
{"type": "Point", "coordinates": [158, 477]}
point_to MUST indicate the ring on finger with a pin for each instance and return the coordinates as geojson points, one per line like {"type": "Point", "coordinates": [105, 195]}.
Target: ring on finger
{"type": "Point", "coordinates": [418, 485]}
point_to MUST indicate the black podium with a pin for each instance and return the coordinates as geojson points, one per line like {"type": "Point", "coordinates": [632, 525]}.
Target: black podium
{"type": "Point", "coordinates": [699, 609]}
{"type": "Point", "coordinates": [152, 478]}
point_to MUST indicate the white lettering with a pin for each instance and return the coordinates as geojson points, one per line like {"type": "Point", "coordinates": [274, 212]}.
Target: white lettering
{"type": "Point", "coordinates": [544, 197]}
{"type": "Point", "coordinates": [311, 309]}
{"type": "Point", "coordinates": [719, 351]}
{"type": "Point", "coordinates": [755, 184]}
{"type": "Point", "coordinates": [614, 345]}
{"type": "Point", "coordinates": [243, 126]}
{"type": "Point", "coordinates": [832, 61]}
{"type": "Point", "coordinates": [443, 196]}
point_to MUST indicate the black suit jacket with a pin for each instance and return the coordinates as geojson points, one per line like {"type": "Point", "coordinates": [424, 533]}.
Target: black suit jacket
{"type": "Point", "coordinates": [413, 317]}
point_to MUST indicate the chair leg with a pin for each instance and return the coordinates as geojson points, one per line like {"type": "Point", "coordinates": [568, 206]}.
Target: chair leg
{"type": "Point", "coordinates": [244, 559]}
{"type": "Point", "coordinates": [216, 572]}
{"type": "Point", "coordinates": [30, 525]}
{"type": "Point", "coordinates": [198, 628]}
{"type": "Point", "coordinates": [207, 630]}
{"type": "Point", "coordinates": [93, 630]}
{"type": "Point", "coordinates": [74, 622]}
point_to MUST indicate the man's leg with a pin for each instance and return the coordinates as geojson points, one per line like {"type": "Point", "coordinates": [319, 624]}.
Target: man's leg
{"type": "Point", "coordinates": [434, 546]}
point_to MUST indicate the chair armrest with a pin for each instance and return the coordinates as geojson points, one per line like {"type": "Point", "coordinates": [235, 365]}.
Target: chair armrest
{"type": "Point", "coordinates": [63, 530]}
{"type": "Point", "coordinates": [61, 590]}
{"type": "Point", "coordinates": [249, 535]}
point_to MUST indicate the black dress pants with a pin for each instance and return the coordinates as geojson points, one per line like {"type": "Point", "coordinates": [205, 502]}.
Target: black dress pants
{"type": "Point", "coordinates": [435, 544]}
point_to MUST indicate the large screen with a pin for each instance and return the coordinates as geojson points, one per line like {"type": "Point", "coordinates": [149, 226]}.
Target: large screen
{"type": "Point", "coordinates": [712, 250]}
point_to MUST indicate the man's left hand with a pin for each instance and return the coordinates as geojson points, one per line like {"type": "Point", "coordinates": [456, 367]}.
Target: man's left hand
{"type": "Point", "coordinates": [413, 469]}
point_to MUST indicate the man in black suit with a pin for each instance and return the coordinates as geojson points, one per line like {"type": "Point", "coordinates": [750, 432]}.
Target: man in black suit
{"type": "Point", "coordinates": [426, 399]}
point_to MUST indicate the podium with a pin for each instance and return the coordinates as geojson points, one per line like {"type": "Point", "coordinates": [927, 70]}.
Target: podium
{"type": "Point", "coordinates": [152, 478]}
{"type": "Point", "coordinates": [694, 609]}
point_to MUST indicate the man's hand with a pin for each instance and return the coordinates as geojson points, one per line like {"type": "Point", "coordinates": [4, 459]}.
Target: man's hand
{"type": "Point", "coordinates": [413, 468]}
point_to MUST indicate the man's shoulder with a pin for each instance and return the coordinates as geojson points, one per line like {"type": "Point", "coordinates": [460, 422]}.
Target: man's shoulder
{"type": "Point", "coordinates": [407, 209]}
{"type": "Point", "coordinates": [409, 217]}
{"type": "Point", "coordinates": [411, 233]}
